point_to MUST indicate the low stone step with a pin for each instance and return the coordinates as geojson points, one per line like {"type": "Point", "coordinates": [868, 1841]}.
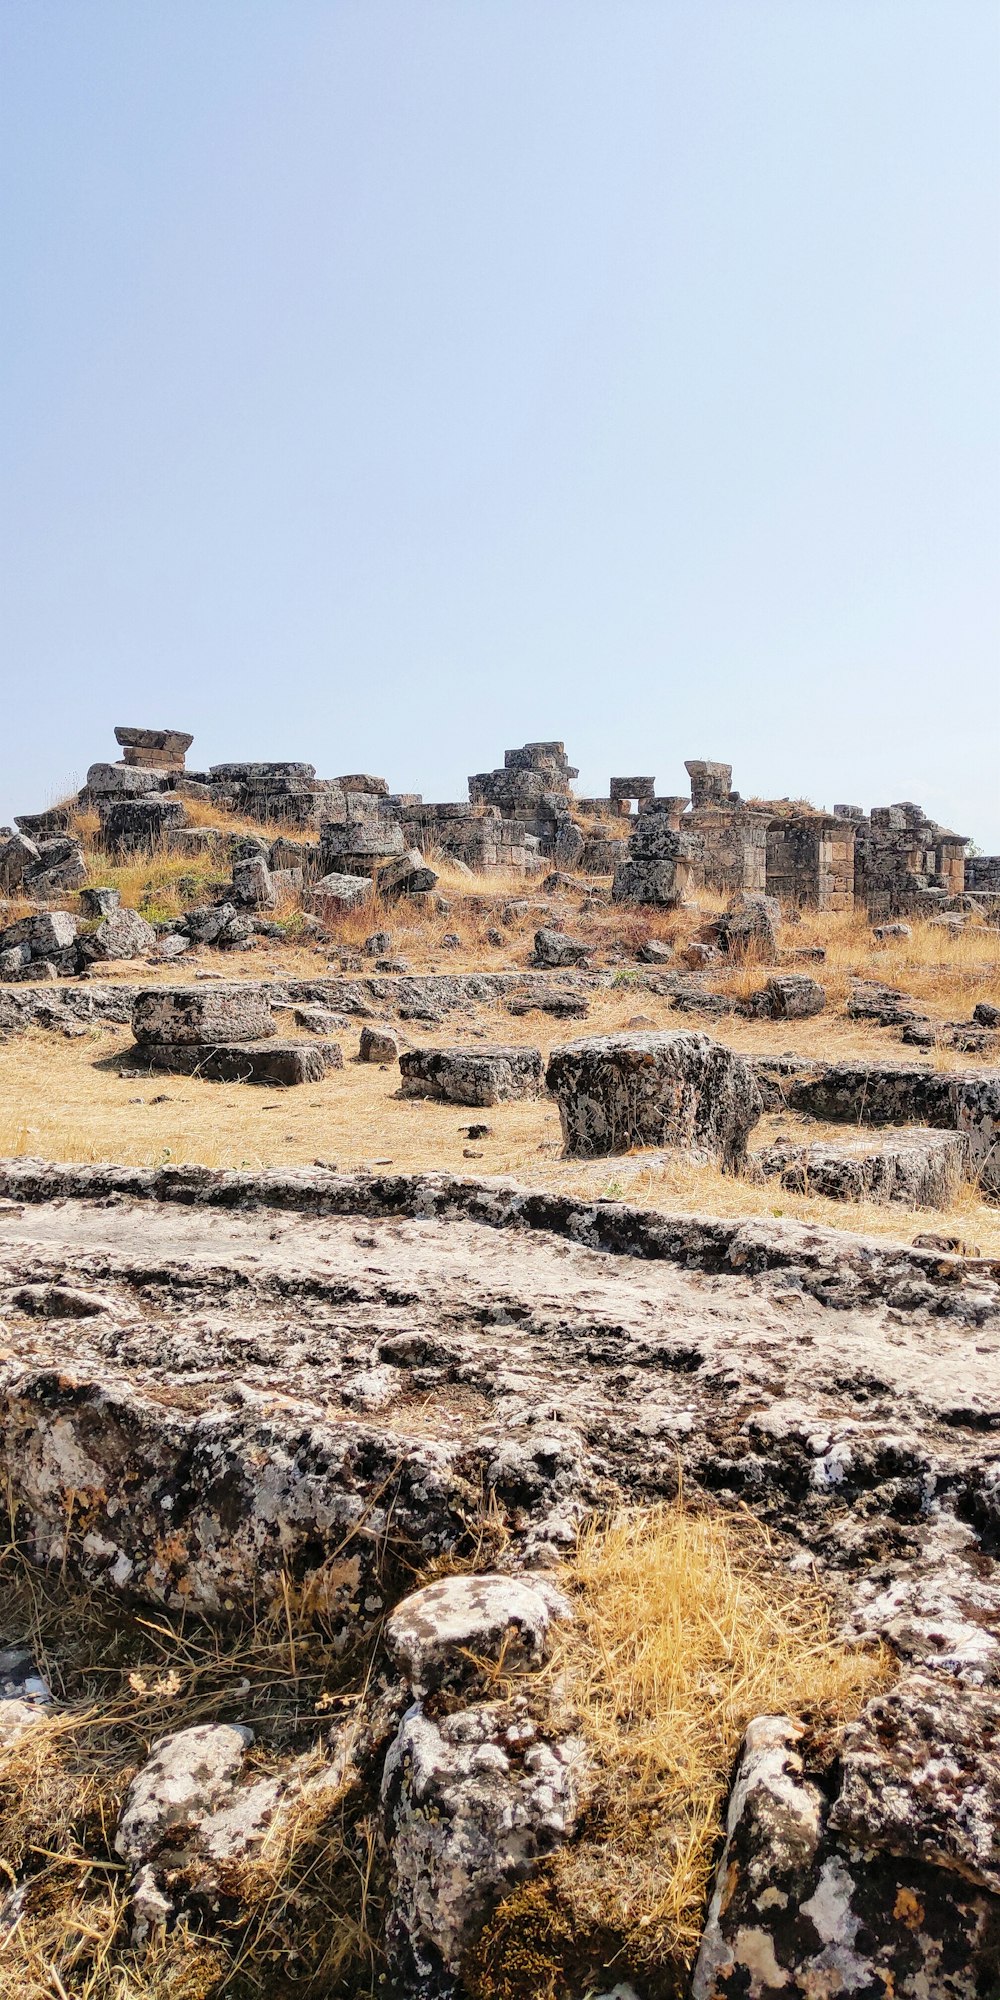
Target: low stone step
{"type": "Point", "coordinates": [915, 1166]}
{"type": "Point", "coordinates": [246, 1062]}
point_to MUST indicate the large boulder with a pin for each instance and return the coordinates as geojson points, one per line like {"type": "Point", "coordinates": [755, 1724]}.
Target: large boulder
{"type": "Point", "coordinates": [615, 1092]}
{"type": "Point", "coordinates": [483, 1075]}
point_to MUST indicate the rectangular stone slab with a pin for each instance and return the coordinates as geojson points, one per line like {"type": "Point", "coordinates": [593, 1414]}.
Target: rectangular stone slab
{"type": "Point", "coordinates": [914, 1166]}
{"type": "Point", "coordinates": [202, 1015]}
{"type": "Point", "coordinates": [485, 1075]}
{"type": "Point", "coordinates": [247, 1062]}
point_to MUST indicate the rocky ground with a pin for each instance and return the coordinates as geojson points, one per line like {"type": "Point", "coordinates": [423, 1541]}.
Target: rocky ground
{"type": "Point", "coordinates": [310, 1403]}
{"type": "Point", "coordinates": [221, 1387]}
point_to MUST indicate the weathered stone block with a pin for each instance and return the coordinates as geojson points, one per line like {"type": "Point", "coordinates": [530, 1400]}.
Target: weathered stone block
{"type": "Point", "coordinates": [247, 1062]}
{"type": "Point", "coordinates": [370, 839]}
{"type": "Point", "coordinates": [379, 1045]}
{"type": "Point", "coordinates": [788, 996]}
{"type": "Point", "coordinates": [206, 925]}
{"type": "Point", "coordinates": [555, 948]}
{"type": "Point", "coordinates": [876, 1094]}
{"type": "Point", "coordinates": [208, 1014]}
{"type": "Point", "coordinates": [616, 1092]}
{"type": "Point", "coordinates": [333, 894]}
{"type": "Point", "coordinates": [253, 888]}
{"type": "Point", "coordinates": [362, 781]}
{"type": "Point", "coordinates": [317, 1020]}
{"type": "Point", "coordinates": [125, 781]}
{"type": "Point", "coordinates": [99, 902]}
{"type": "Point", "coordinates": [647, 882]}
{"type": "Point", "coordinates": [49, 931]}
{"type": "Point", "coordinates": [123, 934]}
{"type": "Point", "coordinates": [409, 875]}
{"type": "Point", "coordinates": [913, 1166]}
{"type": "Point", "coordinates": [137, 826]}
{"type": "Point", "coordinates": [175, 741]}
{"type": "Point", "coordinates": [18, 856]}
{"type": "Point", "coordinates": [483, 1075]}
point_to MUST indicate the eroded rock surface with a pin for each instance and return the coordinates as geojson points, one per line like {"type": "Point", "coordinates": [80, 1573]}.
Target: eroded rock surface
{"type": "Point", "coordinates": [303, 1381]}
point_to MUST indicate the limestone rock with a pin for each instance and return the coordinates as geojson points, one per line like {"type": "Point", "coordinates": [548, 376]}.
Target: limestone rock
{"type": "Point", "coordinates": [473, 1801]}
{"type": "Point", "coordinates": [123, 780]}
{"type": "Point", "coordinates": [920, 1168]}
{"type": "Point", "coordinates": [619, 1091]}
{"type": "Point", "coordinates": [408, 876]}
{"type": "Point", "coordinates": [123, 934]}
{"type": "Point", "coordinates": [789, 996]}
{"type": "Point", "coordinates": [333, 894]}
{"type": "Point", "coordinates": [379, 1045]}
{"type": "Point", "coordinates": [748, 929]}
{"type": "Point", "coordinates": [479, 1075]}
{"type": "Point", "coordinates": [432, 1633]}
{"type": "Point", "coordinates": [808, 1900]}
{"type": "Point", "coordinates": [271, 1062]}
{"type": "Point", "coordinates": [18, 856]}
{"type": "Point", "coordinates": [554, 948]}
{"type": "Point", "coordinates": [182, 1780]}
{"type": "Point", "coordinates": [205, 1015]}
{"type": "Point", "coordinates": [49, 931]}
{"type": "Point", "coordinates": [99, 902]}
{"type": "Point", "coordinates": [253, 886]}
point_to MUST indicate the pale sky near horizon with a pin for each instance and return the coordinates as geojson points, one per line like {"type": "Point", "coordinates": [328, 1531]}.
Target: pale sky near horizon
{"type": "Point", "coordinates": [391, 382]}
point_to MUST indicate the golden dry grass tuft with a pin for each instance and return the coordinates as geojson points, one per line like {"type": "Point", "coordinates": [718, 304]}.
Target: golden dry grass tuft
{"type": "Point", "coordinates": [687, 1627]}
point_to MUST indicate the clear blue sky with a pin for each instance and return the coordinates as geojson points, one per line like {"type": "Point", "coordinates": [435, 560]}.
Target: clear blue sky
{"type": "Point", "coordinates": [384, 384]}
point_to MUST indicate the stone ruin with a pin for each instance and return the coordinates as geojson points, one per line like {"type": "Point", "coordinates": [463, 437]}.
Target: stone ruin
{"type": "Point", "coordinates": [893, 861]}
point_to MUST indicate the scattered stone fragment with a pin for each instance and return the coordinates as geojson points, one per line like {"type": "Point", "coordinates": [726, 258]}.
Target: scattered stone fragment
{"type": "Point", "coordinates": [379, 1045]}
{"type": "Point", "coordinates": [553, 948]}
{"type": "Point", "coordinates": [616, 1092]}
{"type": "Point", "coordinates": [437, 1634]}
{"type": "Point", "coordinates": [788, 996]}
{"type": "Point", "coordinates": [485, 1075]}
{"type": "Point", "coordinates": [123, 934]}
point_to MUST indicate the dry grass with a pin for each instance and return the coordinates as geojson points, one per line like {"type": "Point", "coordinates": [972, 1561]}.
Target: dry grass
{"type": "Point", "coordinates": [297, 1917]}
{"type": "Point", "coordinates": [66, 1100]}
{"type": "Point", "coordinates": [687, 1627]}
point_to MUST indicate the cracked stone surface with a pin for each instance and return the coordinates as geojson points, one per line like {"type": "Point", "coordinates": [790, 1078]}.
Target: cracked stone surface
{"type": "Point", "coordinates": [210, 1382]}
